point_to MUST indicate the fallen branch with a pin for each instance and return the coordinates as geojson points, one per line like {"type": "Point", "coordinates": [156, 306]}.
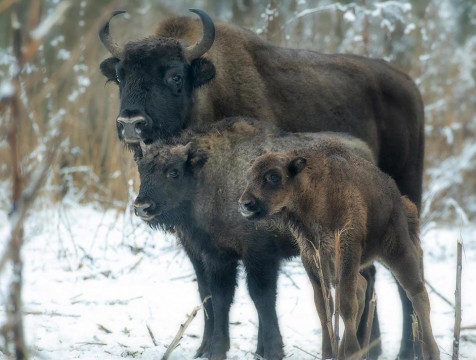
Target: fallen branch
{"type": "Point", "coordinates": [151, 335]}
{"type": "Point", "coordinates": [183, 327]}
{"type": "Point", "coordinates": [305, 352]}
{"type": "Point", "coordinates": [457, 327]}
{"type": "Point", "coordinates": [361, 353]}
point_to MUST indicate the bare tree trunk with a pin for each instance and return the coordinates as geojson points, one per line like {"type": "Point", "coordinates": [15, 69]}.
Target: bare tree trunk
{"type": "Point", "coordinates": [24, 187]}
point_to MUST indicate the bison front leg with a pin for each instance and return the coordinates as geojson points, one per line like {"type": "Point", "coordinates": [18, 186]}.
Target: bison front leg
{"type": "Point", "coordinates": [262, 275]}
{"type": "Point", "coordinates": [221, 276]}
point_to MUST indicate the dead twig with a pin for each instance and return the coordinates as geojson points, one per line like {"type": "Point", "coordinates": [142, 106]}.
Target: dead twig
{"type": "Point", "coordinates": [362, 352]}
{"type": "Point", "coordinates": [175, 342]}
{"type": "Point", "coordinates": [439, 294]}
{"type": "Point", "coordinates": [305, 352]}
{"type": "Point", "coordinates": [370, 320]}
{"type": "Point", "coordinates": [457, 327]}
{"type": "Point", "coordinates": [151, 335]}
{"type": "Point", "coordinates": [417, 338]}
{"type": "Point", "coordinates": [105, 329]}
{"type": "Point", "coordinates": [338, 269]}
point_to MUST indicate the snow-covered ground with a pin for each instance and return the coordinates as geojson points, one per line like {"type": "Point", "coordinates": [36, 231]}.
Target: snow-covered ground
{"type": "Point", "coordinates": [94, 281]}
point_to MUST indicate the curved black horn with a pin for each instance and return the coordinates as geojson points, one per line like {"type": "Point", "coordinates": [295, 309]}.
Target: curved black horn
{"type": "Point", "coordinates": [195, 51]}
{"type": "Point", "coordinates": [106, 38]}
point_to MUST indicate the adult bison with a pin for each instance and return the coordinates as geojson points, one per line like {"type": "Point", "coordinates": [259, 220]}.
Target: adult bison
{"type": "Point", "coordinates": [180, 77]}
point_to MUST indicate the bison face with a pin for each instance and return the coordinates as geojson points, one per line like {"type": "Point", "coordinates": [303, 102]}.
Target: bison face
{"type": "Point", "coordinates": [167, 176]}
{"type": "Point", "coordinates": [270, 185]}
{"type": "Point", "coordinates": [156, 78]}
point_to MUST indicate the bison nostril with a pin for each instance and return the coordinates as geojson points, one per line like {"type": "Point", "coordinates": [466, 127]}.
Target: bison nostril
{"type": "Point", "coordinates": [247, 205]}
{"type": "Point", "coordinates": [143, 208]}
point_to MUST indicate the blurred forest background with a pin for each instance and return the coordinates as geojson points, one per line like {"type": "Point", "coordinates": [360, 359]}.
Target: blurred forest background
{"type": "Point", "coordinates": [62, 89]}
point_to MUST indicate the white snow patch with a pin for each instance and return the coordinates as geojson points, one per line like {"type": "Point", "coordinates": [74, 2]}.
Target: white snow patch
{"type": "Point", "coordinates": [87, 269]}
{"type": "Point", "coordinates": [349, 16]}
{"type": "Point", "coordinates": [6, 89]}
{"type": "Point", "coordinates": [63, 54]}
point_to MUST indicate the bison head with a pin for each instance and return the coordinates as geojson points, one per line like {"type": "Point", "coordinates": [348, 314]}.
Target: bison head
{"type": "Point", "coordinates": [270, 185]}
{"type": "Point", "coordinates": [156, 77]}
{"type": "Point", "coordinates": [167, 183]}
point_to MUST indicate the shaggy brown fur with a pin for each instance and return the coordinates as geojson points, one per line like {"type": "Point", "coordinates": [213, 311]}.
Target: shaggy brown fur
{"type": "Point", "coordinates": [193, 183]}
{"type": "Point", "coordinates": [298, 90]}
{"type": "Point", "coordinates": [318, 191]}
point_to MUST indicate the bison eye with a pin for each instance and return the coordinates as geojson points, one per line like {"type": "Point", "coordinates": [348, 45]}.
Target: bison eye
{"type": "Point", "coordinates": [177, 78]}
{"type": "Point", "coordinates": [273, 178]}
{"type": "Point", "coordinates": [174, 173]}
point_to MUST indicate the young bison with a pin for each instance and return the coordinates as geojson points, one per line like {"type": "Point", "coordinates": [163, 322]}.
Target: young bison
{"type": "Point", "coordinates": [192, 183]}
{"type": "Point", "coordinates": [315, 192]}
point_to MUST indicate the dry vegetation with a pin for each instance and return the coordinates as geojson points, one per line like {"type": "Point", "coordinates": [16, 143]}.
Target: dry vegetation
{"type": "Point", "coordinates": [434, 41]}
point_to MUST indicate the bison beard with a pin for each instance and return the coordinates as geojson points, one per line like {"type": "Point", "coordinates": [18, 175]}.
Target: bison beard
{"type": "Point", "coordinates": [297, 90]}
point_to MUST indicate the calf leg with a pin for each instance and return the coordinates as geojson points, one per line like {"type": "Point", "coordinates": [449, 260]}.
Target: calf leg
{"type": "Point", "coordinates": [319, 301]}
{"type": "Point", "coordinates": [404, 261]}
{"type": "Point", "coordinates": [262, 274]}
{"type": "Point", "coordinates": [369, 274]}
{"type": "Point", "coordinates": [352, 297]}
{"type": "Point", "coordinates": [221, 278]}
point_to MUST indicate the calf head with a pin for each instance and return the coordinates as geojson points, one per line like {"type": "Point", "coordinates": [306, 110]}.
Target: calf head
{"type": "Point", "coordinates": [167, 183]}
{"type": "Point", "coordinates": [156, 77]}
{"type": "Point", "coordinates": [270, 185]}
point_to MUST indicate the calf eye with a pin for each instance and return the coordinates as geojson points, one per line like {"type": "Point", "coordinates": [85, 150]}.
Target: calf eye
{"type": "Point", "coordinates": [174, 173]}
{"type": "Point", "coordinates": [273, 178]}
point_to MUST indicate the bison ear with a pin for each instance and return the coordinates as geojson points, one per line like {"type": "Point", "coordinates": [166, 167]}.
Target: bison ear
{"type": "Point", "coordinates": [203, 71]}
{"type": "Point", "coordinates": [108, 68]}
{"type": "Point", "coordinates": [296, 166]}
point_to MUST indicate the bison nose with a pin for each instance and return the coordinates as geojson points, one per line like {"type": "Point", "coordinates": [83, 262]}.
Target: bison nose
{"type": "Point", "coordinates": [247, 205]}
{"type": "Point", "coordinates": [143, 208]}
{"type": "Point", "coordinates": [131, 127]}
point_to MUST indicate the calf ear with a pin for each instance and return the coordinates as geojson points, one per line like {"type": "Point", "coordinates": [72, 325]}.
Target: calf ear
{"type": "Point", "coordinates": [296, 166]}
{"type": "Point", "coordinates": [108, 68]}
{"type": "Point", "coordinates": [203, 71]}
{"type": "Point", "coordinates": [196, 159]}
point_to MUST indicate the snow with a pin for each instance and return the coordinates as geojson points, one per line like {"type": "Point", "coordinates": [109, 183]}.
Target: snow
{"type": "Point", "coordinates": [6, 89]}
{"type": "Point", "coordinates": [94, 280]}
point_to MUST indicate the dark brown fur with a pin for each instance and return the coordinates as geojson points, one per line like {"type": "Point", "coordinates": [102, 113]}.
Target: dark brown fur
{"type": "Point", "coordinates": [319, 191]}
{"type": "Point", "coordinates": [201, 203]}
{"type": "Point", "coordinates": [298, 90]}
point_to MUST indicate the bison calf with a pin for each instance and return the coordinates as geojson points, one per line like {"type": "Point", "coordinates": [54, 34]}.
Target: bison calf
{"type": "Point", "coordinates": [192, 183]}
{"type": "Point", "coordinates": [315, 192]}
